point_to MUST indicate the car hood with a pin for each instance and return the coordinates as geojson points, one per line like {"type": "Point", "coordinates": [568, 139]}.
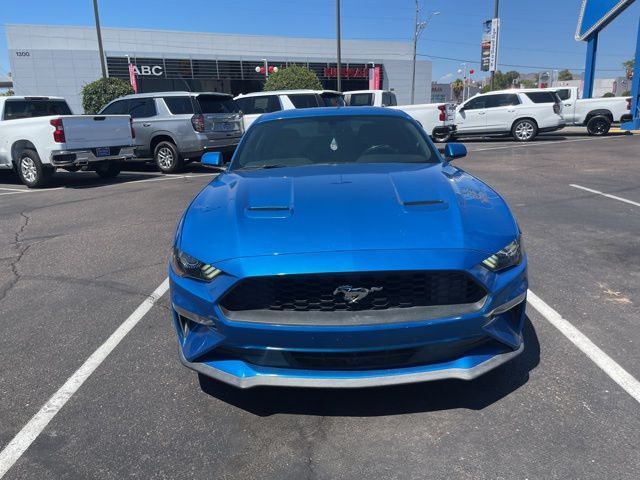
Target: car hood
{"type": "Point", "coordinates": [341, 208]}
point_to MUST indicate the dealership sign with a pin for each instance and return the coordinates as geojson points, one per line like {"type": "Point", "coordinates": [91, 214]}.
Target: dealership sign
{"type": "Point", "coordinates": [489, 46]}
{"type": "Point", "coordinates": [351, 72]}
{"type": "Point", "coordinates": [596, 14]}
{"type": "Point", "coordinates": [148, 70]}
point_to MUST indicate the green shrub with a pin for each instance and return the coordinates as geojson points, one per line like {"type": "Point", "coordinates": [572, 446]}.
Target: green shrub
{"type": "Point", "coordinates": [292, 78]}
{"type": "Point", "coordinates": [96, 95]}
{"type": "Point", "coordinates": [608, 94]}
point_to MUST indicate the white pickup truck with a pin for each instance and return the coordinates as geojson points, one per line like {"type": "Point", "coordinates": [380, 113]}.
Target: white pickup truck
{"type": "Point", "coordinates": [597, 114]}
{"type": "Point", "coordinates": [437, 119]}
{"type": "Point", "coordinates": [40, 134]}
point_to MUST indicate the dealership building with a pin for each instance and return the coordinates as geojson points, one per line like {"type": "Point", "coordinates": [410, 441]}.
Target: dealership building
{"type": "Point", "coordinates": [59, 60]}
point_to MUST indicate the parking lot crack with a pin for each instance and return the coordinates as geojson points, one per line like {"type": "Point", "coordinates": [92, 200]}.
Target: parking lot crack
{"type": "Point", "coordinates": [21, 251]}
{"type": "Point", "coordinates": [310, 436]}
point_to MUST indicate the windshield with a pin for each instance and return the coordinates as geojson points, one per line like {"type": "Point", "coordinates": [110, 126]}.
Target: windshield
{"type": "Point", "coordinates": [217, 104]}
{"type": "Point", "coordinates": [330, 140]}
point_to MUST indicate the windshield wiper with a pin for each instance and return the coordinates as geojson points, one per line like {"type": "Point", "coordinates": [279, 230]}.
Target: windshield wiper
{"type": "Point", "coordinates": [258, 167]}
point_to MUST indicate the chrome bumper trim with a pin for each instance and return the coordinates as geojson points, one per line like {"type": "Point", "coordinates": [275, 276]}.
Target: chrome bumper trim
{"type": "Point", "coordinates": [507, 306]}
{"type": "Point", "coordinates": [82, 157]}
{"type": "Point", "coordinates": [373, 381]}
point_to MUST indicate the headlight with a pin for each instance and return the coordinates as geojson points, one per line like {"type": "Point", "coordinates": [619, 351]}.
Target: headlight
{"type": "Point", "coordinates": [505, 258]}
{"type": "Point", "coordinates": [187, 266]}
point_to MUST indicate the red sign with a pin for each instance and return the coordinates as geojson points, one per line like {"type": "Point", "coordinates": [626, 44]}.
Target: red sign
{"type": "Point", "coordinates": [132, 77]}
{"type": "Point", "coordinates": [350, 72]}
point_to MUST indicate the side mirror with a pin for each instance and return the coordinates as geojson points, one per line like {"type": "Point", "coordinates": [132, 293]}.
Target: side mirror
{"type": "Point", "coordinates": [212, 160]}
{"type": "Point", "coordinates": [454, 150]}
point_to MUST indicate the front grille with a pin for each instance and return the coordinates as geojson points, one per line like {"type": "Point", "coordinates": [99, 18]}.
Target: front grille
{"type": "Point", "coordinates": [354, 360]}
{"type": "Point", "coordinates": [388, 290]}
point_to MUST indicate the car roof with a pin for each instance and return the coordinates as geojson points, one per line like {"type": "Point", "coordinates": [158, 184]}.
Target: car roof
{"type": "Point", "coordinates": [32, 97]}
{"type": "Point", "coordinates": [515, 90]}
{"type": "Point", "coordinates": [369, 91]}
{"type": "Point", "coordinates": [286, 92]}
{"type": "Point", "coordinates": [174, 94]}
{"type": "Point", "coordinates": [331, 112]}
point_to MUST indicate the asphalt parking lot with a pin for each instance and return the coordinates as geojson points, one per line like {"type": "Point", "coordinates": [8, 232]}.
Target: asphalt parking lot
{"type": "Point", "coordinates": [78, 259]}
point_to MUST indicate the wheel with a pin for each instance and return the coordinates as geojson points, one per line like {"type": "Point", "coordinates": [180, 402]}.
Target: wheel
{"type": "Point", "coordinates": [442, 137]}
{"type": "Point", "coordinates": [598, 126]}
{"type": "Point", "coordinates": [167, 158]}
{"type": "Point", "coordinates": [109, 169]}
{"type": "Point", "coordinates": [524, 130]}
{"type": "Point", "coordinates": [31, 171]}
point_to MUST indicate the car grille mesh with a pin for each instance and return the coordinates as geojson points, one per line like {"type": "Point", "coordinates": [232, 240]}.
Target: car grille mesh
{"type": "Point", "coordinates": [304, 293]}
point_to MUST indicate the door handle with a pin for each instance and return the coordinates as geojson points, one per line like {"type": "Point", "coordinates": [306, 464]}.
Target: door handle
{"type": "Point", "coordinates": [567, 104]}
{"type": "Point", "coordinates": [510, 111]}
{"type": "Point", "coordinates": [146, 124]}
{"type": "Point", "coordinates": [482, 113]}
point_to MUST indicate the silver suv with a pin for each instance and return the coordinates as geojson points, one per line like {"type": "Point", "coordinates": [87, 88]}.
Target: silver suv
{"type": "Point", "coordinates": [177, 127]}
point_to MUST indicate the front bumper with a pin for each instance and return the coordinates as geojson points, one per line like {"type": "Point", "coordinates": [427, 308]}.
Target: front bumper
{"type": "Point", "coordinates": [79, 158]}
{"type": "Point", "coordinates": [246, 354]}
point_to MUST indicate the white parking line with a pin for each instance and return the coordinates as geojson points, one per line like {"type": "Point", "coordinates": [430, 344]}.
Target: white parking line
{"type": "Point", "coordinates": [618, 374]}
{"type": "Point", "coordinates": [544, 144]}
{"type": "Point", "coordinates": [25, 437]}
{"type": "Point", "coordinates": [159, 178]}
{"type": "Point", "coordinates": [598, 192]}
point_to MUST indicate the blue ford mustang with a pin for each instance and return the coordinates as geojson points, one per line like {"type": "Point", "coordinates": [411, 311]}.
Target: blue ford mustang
{"type": "Point", "coordinates": [340, 249]}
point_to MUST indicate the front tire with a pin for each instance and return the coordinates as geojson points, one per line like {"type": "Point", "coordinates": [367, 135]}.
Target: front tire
{"type": "Point", "coordinates": [524, 130]}
{"type": "Point", "coordinates": [31, 170]}
{"type": "Point", "coordinates": [109, 170]}
{"type": "Point", "coordinates": [167, 158]}
{"type": "Point", "coordinates": [598, 126]}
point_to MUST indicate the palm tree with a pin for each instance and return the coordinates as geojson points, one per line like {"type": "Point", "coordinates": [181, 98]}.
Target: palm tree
{"type": "Point", "coordinates": [457, 87]}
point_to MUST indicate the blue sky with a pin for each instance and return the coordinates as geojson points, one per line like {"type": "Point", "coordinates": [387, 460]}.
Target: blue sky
{"type": "Point", "coordinates": [535, 35]}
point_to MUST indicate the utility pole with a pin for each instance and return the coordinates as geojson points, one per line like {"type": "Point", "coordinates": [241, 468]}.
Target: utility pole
{"type": "Point", "coordinates": [419, 28]}
{"type": "Point", "coordinates": [495, 15]}
{"type": "Point", "coordinates": [99, 33]}
{"type": "Point", "coordinates": [339, 62]}
{"type": "Point", "coordinates": [416, 32]}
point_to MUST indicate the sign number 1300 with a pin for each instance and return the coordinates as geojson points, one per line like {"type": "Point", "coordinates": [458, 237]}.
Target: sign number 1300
{"type": "Point", "coordinates": [22, 54]}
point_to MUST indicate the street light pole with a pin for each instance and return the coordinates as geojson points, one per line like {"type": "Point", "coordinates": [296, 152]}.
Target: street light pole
{"type": "Point", "coordinates": [99, 33]}
{"type": "Point", "coordinates": [495, 15]}
{"type": "Point", "coordinates": [339, 62]}
{"type": "Point", "coordinates": [419, 28]}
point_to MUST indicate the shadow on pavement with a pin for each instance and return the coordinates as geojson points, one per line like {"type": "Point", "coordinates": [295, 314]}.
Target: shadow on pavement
{"type": "Point", "coordinates": [370, 402]}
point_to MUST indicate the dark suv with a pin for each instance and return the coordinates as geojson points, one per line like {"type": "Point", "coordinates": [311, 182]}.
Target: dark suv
{"type": "Point", "coordinates": [175, 127]}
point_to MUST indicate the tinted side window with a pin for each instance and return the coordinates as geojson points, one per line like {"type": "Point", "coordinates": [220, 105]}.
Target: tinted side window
{"type": "Point", "coordinates": [476, 103]}
{"type": "Point", "coordinates": [502, 100]}
{"type": "Point", "coordinates": [564, 94]}
{"type": "Point", "coordinates": [332, 99]}
{"type": "Point", "coordinates": [389, 99]}
{"type": "Point", "coordinates": [541, 97]}
{"type": "Point", "coordinates": [262, 104]}
{"type": "Point", "coordinates": [14, 109]}
{"type": "Point", "coordinates": [116, 108]}
{"type": "Point", "coordinates": [179, 105]}
{"type": "Point", "coordinates": [361, 99]}
{"type": "Point", "coordinates": [142, 107]}
{"type": "Point", "coordinates": [306, 100]}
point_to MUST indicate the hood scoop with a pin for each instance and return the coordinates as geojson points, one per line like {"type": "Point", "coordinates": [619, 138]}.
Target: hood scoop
{"type": "Point", "coordinates": [270, 198]}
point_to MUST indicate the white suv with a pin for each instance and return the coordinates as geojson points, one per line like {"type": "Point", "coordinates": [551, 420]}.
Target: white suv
{"type": "Point", "coordinates": [255, 104]}
{"type": "Point", "coordinates": [519, 113]}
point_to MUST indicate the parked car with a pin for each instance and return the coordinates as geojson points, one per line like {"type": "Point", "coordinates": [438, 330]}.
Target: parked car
{"type": "Point", "coordinates": [522, 113]}
{"type": "Point", "coordinates": [40, 134]}
{"type": "Point", "coordinates": [597, 114]}
{"type": "Point", "coordinates": [435, 118]}
{"type": "Point", "coordinates": [340, 249]}
{"type": "Point", "coordinates": [255, 104]}
{"type": "Point", "coordinates": [175, 127]}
